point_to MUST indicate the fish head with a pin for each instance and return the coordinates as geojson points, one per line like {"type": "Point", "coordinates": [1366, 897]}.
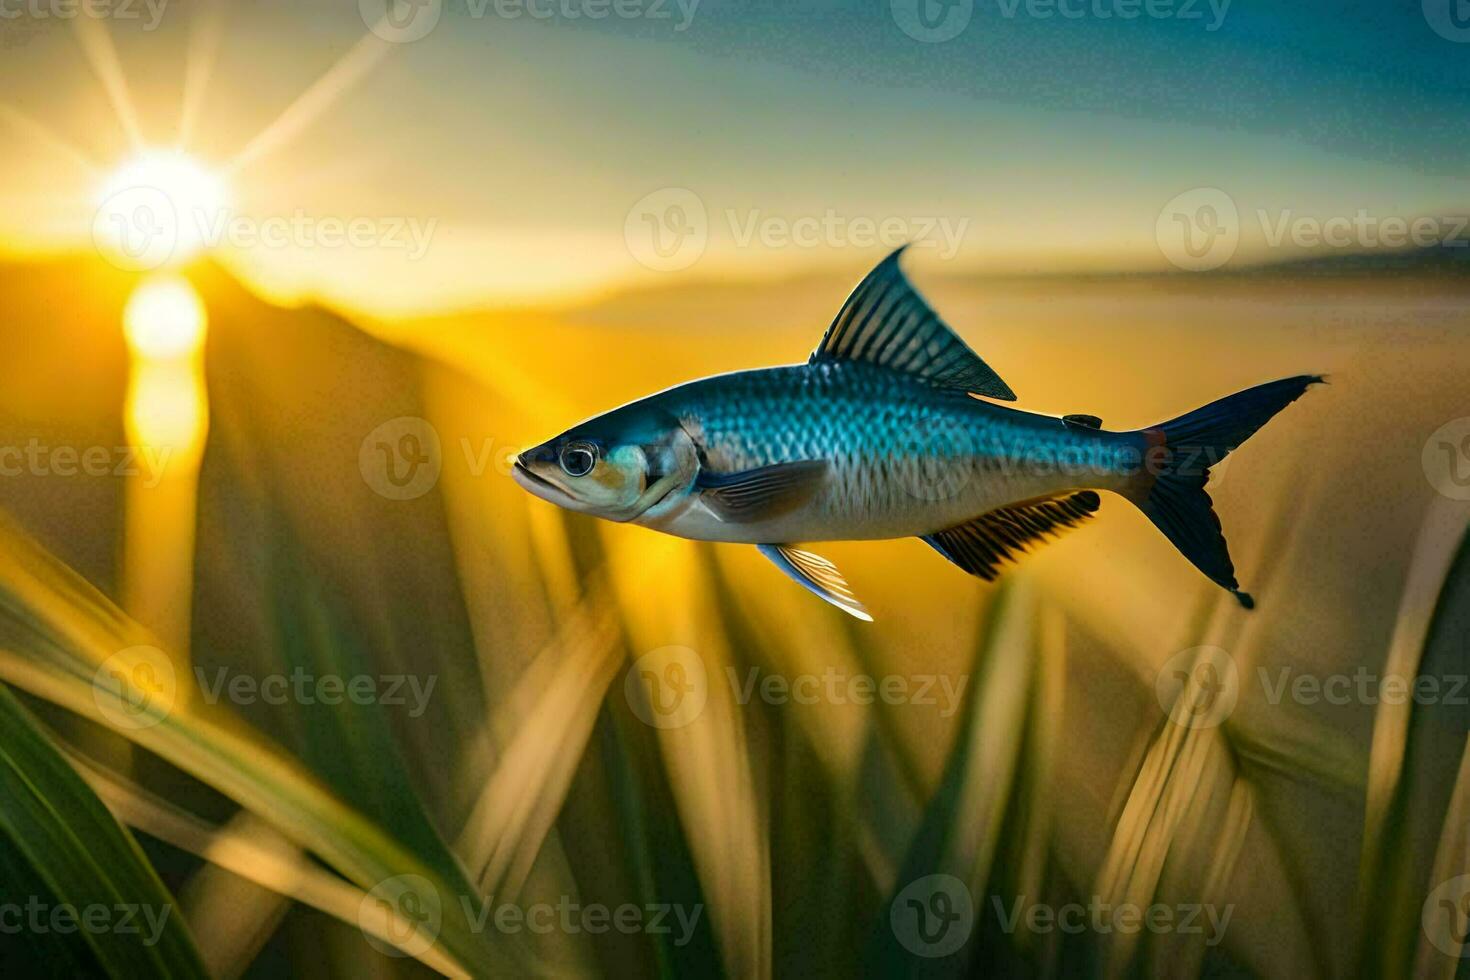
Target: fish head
{"type": "Point", "coordinates": [616, 466]}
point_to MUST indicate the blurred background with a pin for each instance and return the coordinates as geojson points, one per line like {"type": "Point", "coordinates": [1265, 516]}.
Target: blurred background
{"type": "Point", "coordinates": [297, 681]}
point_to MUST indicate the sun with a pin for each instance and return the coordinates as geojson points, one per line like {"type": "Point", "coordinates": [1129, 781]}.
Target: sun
{"type": "Point", "coordinates": [158, 208]}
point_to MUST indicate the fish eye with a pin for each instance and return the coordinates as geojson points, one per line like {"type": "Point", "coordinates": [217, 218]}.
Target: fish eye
{"type": "Point", "coordinates": [578, 458]}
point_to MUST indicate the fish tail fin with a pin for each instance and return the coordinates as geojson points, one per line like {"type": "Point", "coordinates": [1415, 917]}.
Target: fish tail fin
{"type": "Point", "coordinates": [1178, 455]}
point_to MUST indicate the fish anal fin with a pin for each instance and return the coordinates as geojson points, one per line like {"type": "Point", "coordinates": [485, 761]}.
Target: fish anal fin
{"type": "Point", "coordinates": [886, 322]}
{"type": "Point", "coordinates": [983, 545]}
{"type": "Point", "coordinates": [759, 494]}
{"type": "Point", "coordinates": [817, 575]}
{"type": "Point", "coordinates": [1083, 421]}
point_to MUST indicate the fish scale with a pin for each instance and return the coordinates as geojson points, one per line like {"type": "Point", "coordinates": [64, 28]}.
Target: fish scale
{"type": "Point", "coordinates": [903, 453]}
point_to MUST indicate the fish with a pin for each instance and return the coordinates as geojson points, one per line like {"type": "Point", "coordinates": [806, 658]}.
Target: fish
{"type": "Point", "coordinates": [893, 428]}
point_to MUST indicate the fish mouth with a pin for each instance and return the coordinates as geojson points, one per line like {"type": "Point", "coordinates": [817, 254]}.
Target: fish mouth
{"type": "Point", "coordinates": [539, 486]}
{"type": "Point", "coordinates": [528, 478]}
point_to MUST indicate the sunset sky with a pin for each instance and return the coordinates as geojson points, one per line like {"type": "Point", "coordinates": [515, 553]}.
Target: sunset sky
{"type": "Point", "coordinates": [517, 146]}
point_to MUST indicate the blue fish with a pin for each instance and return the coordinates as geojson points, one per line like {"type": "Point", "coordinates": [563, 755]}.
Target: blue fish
{"type": "Point", "coordinates": [880, 434]}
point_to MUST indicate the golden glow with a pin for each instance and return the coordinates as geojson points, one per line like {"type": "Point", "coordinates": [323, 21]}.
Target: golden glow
{"type": "Point", "coordinates": [164, 322]}
{"type": "Point", "coordinates": [166, 414]}
{"type": "Point", "coordinates": [164, 319]}
{"type": "Point", "coordinates": [159, 207]}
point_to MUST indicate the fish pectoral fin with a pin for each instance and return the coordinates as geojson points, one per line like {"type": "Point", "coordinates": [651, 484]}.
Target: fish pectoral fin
{"type": "Point", "coordinates": [886, 322]}
{"type": "Point", "coordinates": [1083, 421]}
{"type": "Point", "coordinates": [754, 495]}
{"type": "Point", "coordinates": [817, 575]}
{"type": "Point", "coordinates": [981, 546]}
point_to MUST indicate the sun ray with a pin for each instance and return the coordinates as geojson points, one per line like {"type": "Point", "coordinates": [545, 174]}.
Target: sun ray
{"type": "Point", "coordinates": [101, 56]}
{"type": "Point", "coordinates": [39, 132]}
{"type": "Point", "coordinates": [348, 70]}
{"type": "Point", "coordinates": [205, 31]}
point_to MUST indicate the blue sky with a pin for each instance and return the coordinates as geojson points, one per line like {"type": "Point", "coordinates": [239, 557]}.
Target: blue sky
{"type": "Point", "coordinates": [1053, 140]}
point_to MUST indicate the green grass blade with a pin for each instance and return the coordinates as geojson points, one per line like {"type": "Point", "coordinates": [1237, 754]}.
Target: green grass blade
{"type": "Point", "coordinates": [86, 858]}
{"type": "Point", "coordinates": [60, 632]}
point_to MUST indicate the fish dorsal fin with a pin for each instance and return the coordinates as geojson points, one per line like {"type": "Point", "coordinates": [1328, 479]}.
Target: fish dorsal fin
{"type": "Point", "coordinates": [817, 575]}
{"type": "Point", "coordinates": [885, 321]}
{"type": "Point", "coordinates": [981, 546]}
